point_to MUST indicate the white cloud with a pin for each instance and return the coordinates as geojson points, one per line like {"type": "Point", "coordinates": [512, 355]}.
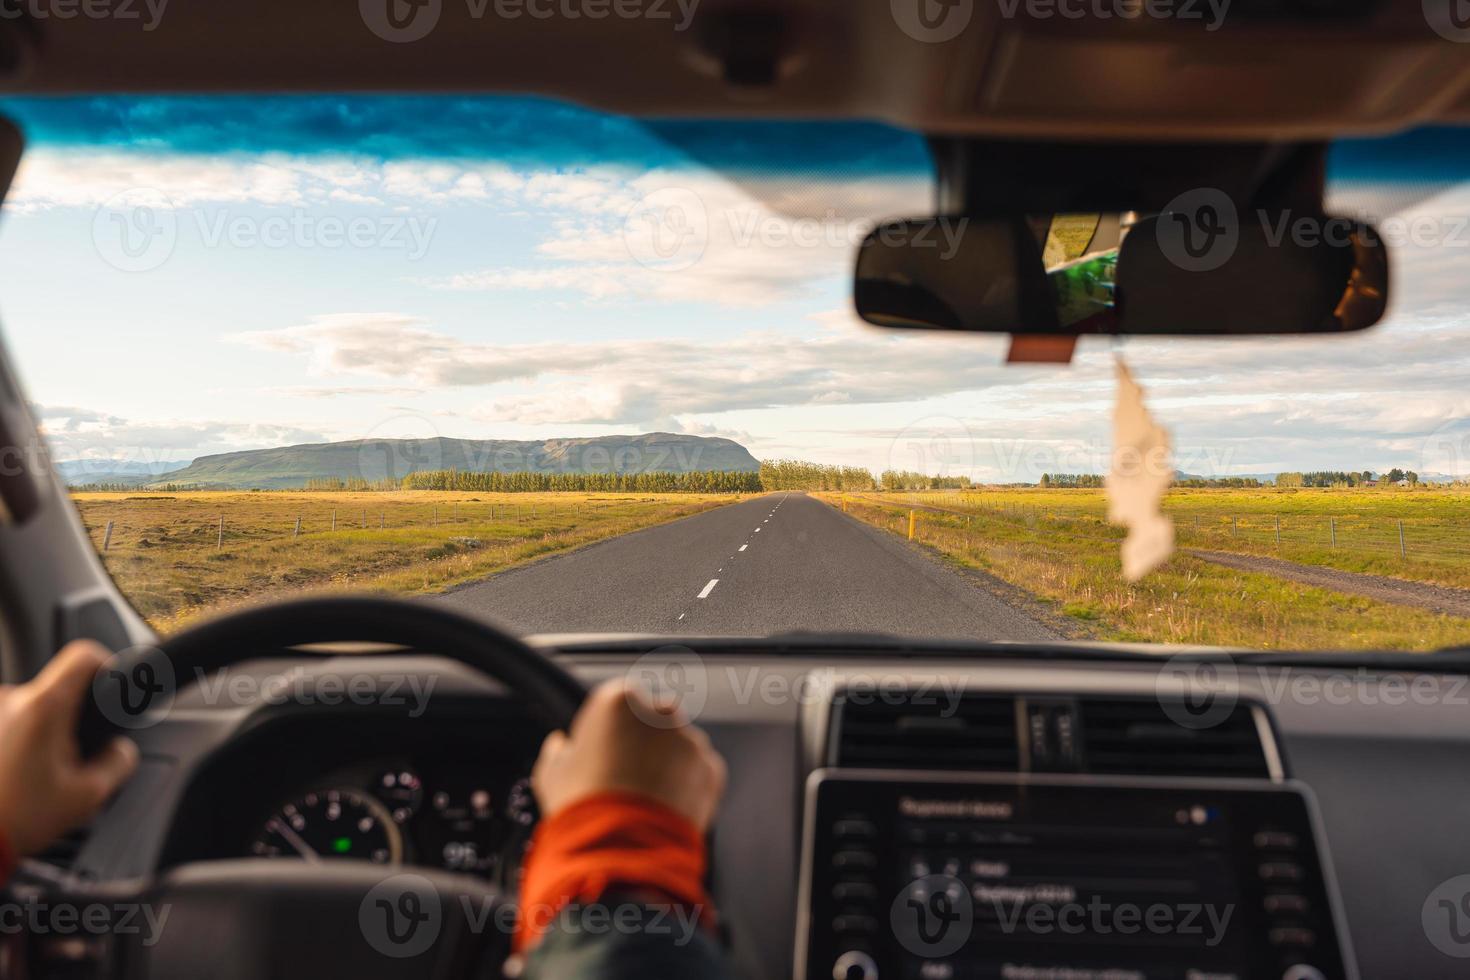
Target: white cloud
{"type": "Point", "coordinates": [692, 238]}
{"type": "Point", "coordinates": [80, 433]}
{"type": "Point", "coordinates": [50, 178]}
{"type": "Point", "coordinates": [630, 381]}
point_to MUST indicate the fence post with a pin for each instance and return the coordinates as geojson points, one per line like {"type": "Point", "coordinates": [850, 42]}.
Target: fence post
{"type": "Point", "coordinates": [911, 525]}
{"type": "Point", "coordinates": [297, 533]}
{"type": "Point", "coordinates": [1235, 527]}
{"type": "Point", "coordinates": [334, 520]}
{"type": "Point", "coordinates": [1278, 530]}
{"type": "Point", "coordinates": [220, 543]}
{"type": "Point", "coordinates": [107, 537]}
{"type": "Point", "coordinates": [1332, 527]}
{"type": "Point", "coordinates": [1403, 552]}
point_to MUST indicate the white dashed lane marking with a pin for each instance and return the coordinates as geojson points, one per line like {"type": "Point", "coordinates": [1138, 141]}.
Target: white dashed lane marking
{"type": "Point", "coordinates": [710, 585]}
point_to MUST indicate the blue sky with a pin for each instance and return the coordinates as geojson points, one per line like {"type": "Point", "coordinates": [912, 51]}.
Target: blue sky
{"type": "Point", "coordinates": [189, 276]}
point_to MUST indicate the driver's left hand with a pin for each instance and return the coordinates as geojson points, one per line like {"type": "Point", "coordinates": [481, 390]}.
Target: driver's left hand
{"type": "Point", "coordinates": [46, 787]}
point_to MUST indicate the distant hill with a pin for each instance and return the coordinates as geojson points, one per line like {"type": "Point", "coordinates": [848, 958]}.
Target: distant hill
{"type": "Point", "coordinates": [80, 472]}
{"type": "Point", "coordinates": [375, 460]}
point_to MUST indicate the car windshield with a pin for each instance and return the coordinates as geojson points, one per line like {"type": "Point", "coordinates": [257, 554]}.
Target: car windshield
{"type": "Point", "coordinates": [581, 374]}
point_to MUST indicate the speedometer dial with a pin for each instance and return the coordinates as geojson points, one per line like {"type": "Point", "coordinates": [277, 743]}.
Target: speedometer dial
{"type": "Point", "coordinates": [331, 823]}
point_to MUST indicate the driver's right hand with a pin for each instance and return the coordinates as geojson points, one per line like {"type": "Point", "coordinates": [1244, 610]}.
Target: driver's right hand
{"type": "Point", "coordinates": [612, 748]}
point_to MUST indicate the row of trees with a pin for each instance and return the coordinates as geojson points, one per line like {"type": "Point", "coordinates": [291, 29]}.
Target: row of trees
{"type": "Point", "coordinates": [778, 474]}
{"type": "Point", "coordinates": [909, 480]}
{"type": "Point", "coordinates": [793, 474]}
{"type": "Point", "coordinates": [353, 484]}
{"type": "Point", "coordinates": [1338, 478]}
{"type": "Point", "coordinates": [1229, 482]}
{"type": "Point", "coordinates": [703, 481]}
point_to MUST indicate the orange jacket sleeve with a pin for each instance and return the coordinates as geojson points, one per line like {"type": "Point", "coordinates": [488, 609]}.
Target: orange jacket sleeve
{"type": "Point", "coordinates": [610, 840]}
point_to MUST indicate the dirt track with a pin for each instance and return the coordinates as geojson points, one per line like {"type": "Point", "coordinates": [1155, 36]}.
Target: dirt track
{"type": "Point", "coordinates": [1422, 595]}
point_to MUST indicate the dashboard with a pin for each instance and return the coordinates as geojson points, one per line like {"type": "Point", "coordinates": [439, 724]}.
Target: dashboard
{"type": "Point", "coordinates": [1329, 824]}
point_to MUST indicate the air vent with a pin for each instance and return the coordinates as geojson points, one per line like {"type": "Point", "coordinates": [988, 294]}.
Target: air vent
{"type": "Point", "coordinates": [927, 731]}
{"type": "Point", "coordinates": [1141, 737]}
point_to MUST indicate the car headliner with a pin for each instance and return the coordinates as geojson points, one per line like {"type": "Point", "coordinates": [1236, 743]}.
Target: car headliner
{"type": "Point", "coordinates": [1360, 68]}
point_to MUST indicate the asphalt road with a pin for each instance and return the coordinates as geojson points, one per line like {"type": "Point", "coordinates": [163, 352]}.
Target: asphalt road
{"type": "Point", "coordinates": [773, 564]}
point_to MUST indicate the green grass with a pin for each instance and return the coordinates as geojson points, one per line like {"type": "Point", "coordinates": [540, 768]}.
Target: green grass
{"type": "Point", "coordinates": [1063, 554]}
{"type": "Point", "coordinates": [166, 556]}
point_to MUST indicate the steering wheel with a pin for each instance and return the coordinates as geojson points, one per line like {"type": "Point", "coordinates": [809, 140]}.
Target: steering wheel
{"type": "Point", "coordinates": [286, 919]}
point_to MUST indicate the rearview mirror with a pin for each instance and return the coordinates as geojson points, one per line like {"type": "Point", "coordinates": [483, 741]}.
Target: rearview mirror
{"type": "Point", "coordinates": [1174, 273]}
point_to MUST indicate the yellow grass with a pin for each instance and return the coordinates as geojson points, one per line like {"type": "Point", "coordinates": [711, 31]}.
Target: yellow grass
{"type": "Point", "coordinates": [1297, 525]}
{"type": "Point", "coordinates": [166, 556]}
{"type": "Point", "coordinates": [1052, 544]}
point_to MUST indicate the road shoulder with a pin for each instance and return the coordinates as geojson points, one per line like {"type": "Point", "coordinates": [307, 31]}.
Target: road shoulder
{"type": "Point", "coordinates": [1052, 624]}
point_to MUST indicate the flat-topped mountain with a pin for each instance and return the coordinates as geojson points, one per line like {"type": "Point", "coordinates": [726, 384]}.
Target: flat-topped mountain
{"type": "Point", "coordinates": [375, 460]}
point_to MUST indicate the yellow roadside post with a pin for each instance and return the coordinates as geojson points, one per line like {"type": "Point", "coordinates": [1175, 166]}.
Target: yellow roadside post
{"type": "Point", "coordinates": [911, 525]}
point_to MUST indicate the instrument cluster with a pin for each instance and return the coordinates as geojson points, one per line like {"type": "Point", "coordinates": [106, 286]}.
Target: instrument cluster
{"type": "Point", "coordinates": [405, 811]}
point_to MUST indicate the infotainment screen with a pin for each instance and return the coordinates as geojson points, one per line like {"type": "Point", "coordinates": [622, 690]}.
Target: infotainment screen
{"type": "Point", "coordinates": [1063, 878]}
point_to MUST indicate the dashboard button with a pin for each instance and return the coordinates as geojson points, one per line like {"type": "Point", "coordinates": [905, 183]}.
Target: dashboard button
{"type": "Point", "coordinates": [1292, 936]}
{"type": "Point", "coordinates": [854, 861]}
{"type": "Point", "coordinates": [1281, 871]}
{"type": "Point", "coordinates": [854, 891]}
{"type": "Point", "coordinates": [1276, 840]}
{"type": "Point", "coordinates": [855, 829]}
{"type": "Point", "coordinates": [1286, 904]}
{"type": "Point", "coordinates": [848, 924]}
{"type": "Point", "coordinates": [855, 965]}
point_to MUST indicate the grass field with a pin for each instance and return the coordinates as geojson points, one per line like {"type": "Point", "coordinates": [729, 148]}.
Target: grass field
{"type": "Point", "coordinates": [167, 555]}
{"type": "Point", "coordinates": [1058, 545]}
{"type": "Point", "coordinates": [1356, 530]}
